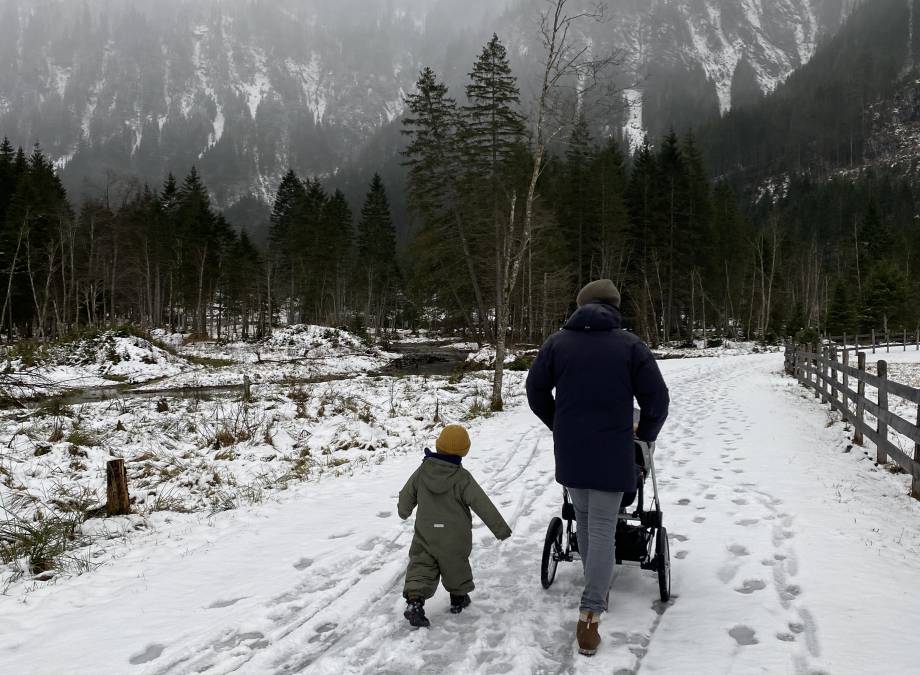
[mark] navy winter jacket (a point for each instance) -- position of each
(597, 368)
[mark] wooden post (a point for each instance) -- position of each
(846, 385)
(247, 389)
(873, 341)
(887, 342)
(860, 398)
(118, 503)
(825, 365)
(832, 367)
(880, 455)
(915, 483)
(905, 339)
(817, 352)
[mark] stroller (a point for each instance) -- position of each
(640, 537)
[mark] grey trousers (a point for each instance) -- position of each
(596, 513)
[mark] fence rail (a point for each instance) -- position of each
(821, 369)
(877, 340)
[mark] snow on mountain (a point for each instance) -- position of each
(246, 90)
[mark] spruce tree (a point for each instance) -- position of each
(377, 251)
(492, 125)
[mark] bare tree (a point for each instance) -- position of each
(570, 74)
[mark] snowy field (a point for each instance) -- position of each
(789, 553)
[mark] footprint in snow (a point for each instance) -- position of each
(747, 522)
(699, 519)
(680, 555)
(302, 564)
(791, 592)
(683, 502)
(679, 537)
(151, 653)
(743, 635)
(384, 514)
(738, 550)
(341, 535)
(220, 604)
(751, 586)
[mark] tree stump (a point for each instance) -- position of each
(118, 503)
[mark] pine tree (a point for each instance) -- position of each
(613, 247)
(842, 315)
(643, 201)
(377, 251)
(435, 196)
(492, 125)
(282, 250)
(493, 136)
(579, 200)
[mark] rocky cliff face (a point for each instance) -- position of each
(245, 89)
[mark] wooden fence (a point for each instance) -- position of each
(878, 340)
(821, 369)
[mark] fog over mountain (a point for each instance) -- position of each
(245, 89)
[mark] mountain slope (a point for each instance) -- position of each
(246, 90)
(853, 105)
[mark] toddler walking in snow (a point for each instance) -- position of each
(444, 492)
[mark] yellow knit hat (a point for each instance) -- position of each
(453, 441)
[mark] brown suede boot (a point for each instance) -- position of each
(586, 634)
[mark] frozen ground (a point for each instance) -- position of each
(112, 359)
(790, 555)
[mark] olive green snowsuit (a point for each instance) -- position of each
(444, 493)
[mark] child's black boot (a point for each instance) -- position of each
(458, 603)
(415, 613)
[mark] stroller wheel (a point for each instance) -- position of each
(552, 551)
(663, 558)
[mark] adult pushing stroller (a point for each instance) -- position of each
(640, 537)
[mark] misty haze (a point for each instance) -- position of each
(323, 323)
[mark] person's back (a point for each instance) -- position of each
(597, 369)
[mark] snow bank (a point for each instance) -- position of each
(104, 359)
(207, 455)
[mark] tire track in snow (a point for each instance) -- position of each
(509, 571)
(382, 603)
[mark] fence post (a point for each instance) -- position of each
(118, 503)
(832, 385)
(880, 455)
(817, 359)
(825, 367)
(905, 339)
(873, 341)
(860, 398)
(846, 385)
(887, 342)
(915, 483)
(844, 342)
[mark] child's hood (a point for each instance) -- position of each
(438, 476)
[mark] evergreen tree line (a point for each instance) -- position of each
(167, 258)
(690, 258)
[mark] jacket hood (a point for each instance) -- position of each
(437, 475)
(595, 316)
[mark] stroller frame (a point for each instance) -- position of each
(641, 537)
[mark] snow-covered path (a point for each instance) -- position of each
(789, 555)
